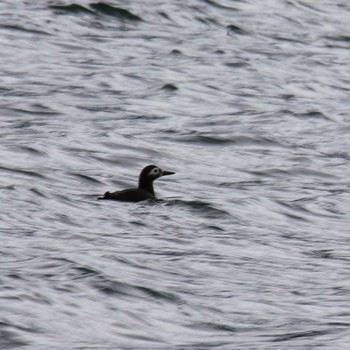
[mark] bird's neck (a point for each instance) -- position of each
(146, 186)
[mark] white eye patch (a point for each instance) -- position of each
(154, 172)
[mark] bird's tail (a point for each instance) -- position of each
(105, 196)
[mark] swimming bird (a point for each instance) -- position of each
(145, 189)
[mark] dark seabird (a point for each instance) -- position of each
(145, 189)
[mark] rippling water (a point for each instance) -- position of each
(247, 101)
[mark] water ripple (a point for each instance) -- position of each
(97, 8)
(247, 102)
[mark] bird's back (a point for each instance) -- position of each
(129, 195)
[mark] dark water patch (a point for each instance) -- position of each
(37, 192)
(345, 38)
(242, 185)
(31, 151)
(343, 291)
(35, 109)
(216, 228)
(330, 254)
(339, 324)
(38, 298)
(287, 97)
(97, 8)
(236, 64)
(323, 254)
(28, 173)
(209, 326)
(24, 125)
(233, 29)
(23, 29)
(9, 187)
(10, 339)
(97, 108)
(220, 6)
(176, 52)
(140, 116)
(210, 139)
(24, 92)
(15, 276)
(287, 39)
(110, 287)
(339, 154)
(86, 178)
(207, 20)
(62, 269)
(176, 255)
(30, 329)
(207, 140)
(170, 87)
(312, 173)
(199, 207)
(72, 8)
(5, 91)
(304, 334)
(296, 210)
(159, 295)
(83, 272)
(207, 345)
(202, 20)
(311, 115)
(116, 12)
(60, 218)
(138, 222)
(164, 15)
(295, 217)
(304, 5)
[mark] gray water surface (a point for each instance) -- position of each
(248, 102)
